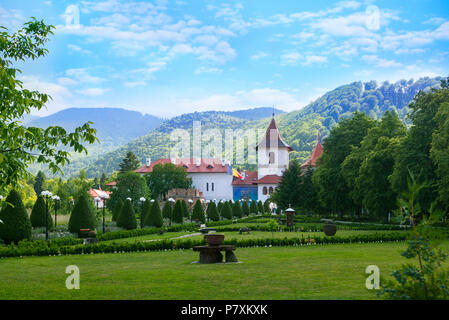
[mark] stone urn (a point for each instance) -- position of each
(92, 234)
(214, 239)
(330, 228)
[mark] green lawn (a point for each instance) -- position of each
(306, 272)
(253, 235)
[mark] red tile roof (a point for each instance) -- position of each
(273, 129)
(98, 193)
(111, 184)
(250, 179)
(316, 153)
(205, 166)
(269, 179)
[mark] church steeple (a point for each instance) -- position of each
(273, 129)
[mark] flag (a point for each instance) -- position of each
(235, 173)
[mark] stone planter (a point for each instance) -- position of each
(330, 229)
(214, 239)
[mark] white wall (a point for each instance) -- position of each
(260, 194)
(276, 168)
(222, 185)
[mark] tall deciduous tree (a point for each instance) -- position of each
(165, 177)
(21, 145)
(333, 190)
(129, 185)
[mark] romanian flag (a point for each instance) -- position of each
(235, 173)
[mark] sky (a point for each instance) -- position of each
(170, 57)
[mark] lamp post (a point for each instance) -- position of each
(97, 203)
(171, 200)
(46, 194)
(56, 199)
(142, 201)
(104, 197)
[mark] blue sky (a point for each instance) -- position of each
(171, 57)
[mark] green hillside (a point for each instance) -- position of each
(299, 128)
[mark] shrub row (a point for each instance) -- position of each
(42, 248)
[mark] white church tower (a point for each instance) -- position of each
(273, 159)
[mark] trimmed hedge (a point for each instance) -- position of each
(43, 248)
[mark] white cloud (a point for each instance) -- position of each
(76, 48)
(201, 70)
(92, 92)
(259, 55)
(313, 59)
(289, 59)
(81, 75)
(380, 62)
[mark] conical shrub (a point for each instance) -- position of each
(245, 208)
(237, 210)
(226, 211)
(167, 210)
(117, 209)
(127, 218)
(213, 212)
(16, 224)
(253, 207)
(39, 213)
(198, 212)
(83, 216)
(154, 218)
(185, 209)
(260, 206)
(178, 214)
(146, 208)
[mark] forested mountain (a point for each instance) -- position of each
(115, 127)
(299, 128)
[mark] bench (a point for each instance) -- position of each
(244, 229)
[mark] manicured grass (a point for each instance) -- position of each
(305, 272)
(253, 235)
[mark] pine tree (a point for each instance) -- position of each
(16, 224)
(117, 209)
(167, 210)
(213, 212)
(154, 218)
(237, 210)
(253, 207)
(198, 212)
(146, 208)
(127, 218)
(83, 216)
(129, 163)
(178, 212)
(245, 208)
(226, 211)
(39, 214)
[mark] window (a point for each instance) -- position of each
(212, 186)
(271, 190)
(207, 186)
(264, 190)
(271, 157)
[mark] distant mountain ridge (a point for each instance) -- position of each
(298, 128)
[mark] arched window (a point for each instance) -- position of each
(264, 190)
(271, 190)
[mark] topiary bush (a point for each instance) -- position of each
(127, 218)
(226, 211)
(146, 208)
(39, 213)
(167, 210)
(83, 215)
(253, 207)
(185, 209)
(16, 224)
(245, 208)
(237, 210)
(178, 213)
(260, 207)
(198, 212)
(154, 218)
(212, 212)
(117, 209)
